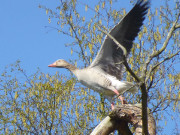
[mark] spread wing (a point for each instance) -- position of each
(109, 58)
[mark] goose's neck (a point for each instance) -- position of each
(71, 68)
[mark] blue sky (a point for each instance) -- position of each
(23, 36)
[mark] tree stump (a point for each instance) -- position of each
(119, 119)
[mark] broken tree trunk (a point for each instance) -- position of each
(119, 119)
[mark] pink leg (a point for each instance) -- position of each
(112, 105)
(120, 97)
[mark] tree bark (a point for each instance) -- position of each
(123, 115)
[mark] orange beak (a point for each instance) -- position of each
(52, 65)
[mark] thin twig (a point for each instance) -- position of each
(79, 41)
(158, 64)
(157, 53)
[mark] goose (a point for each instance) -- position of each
(104, 74)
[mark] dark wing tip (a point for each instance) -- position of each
(137, 15)
(144, 4)
(131, 25)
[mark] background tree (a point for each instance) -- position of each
(54, 104)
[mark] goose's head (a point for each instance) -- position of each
(59, 64)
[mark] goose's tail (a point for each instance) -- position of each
(130, 87)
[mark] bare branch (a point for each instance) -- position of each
(165, 59)
(79, 41)
(177, 26)
(119, 118)
(130, 71)
(108, 125)
(59, 30)
(155, 54)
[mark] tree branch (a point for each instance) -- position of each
(130, 71)
(157, 53)
(154, 67)
(76, 36)
(119, 118)
(177, 26)
(167, 38)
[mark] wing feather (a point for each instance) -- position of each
(109, 58)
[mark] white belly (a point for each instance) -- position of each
(104, 84)
(95, 81)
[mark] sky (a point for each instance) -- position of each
(23, 36)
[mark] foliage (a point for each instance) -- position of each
(45, 104)
(54, 104)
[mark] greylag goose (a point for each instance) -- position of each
(105, 72)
